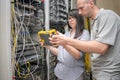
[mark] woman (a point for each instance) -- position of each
(70, 64)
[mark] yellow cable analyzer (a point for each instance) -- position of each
(44, 36)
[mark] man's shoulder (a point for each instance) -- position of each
(108, 12)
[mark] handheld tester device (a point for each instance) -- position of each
(44, 36)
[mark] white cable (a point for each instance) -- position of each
(48, 64)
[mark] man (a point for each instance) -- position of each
(105, 40)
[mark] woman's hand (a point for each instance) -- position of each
(42, 44)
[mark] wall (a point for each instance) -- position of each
(109, 4)
(119, 6)
(5, 47)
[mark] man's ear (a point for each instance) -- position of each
(91, 2)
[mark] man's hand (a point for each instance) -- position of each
(59, 39)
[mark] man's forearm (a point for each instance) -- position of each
(88, 46)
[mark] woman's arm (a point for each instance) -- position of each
(72, 50)
(53, 50)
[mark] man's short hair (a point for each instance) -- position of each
(88, 1)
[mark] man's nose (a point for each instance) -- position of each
(80, 12)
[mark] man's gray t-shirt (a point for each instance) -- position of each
(106, 29)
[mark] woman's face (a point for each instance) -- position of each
(72, 21)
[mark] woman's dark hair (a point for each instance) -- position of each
(79, 22)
